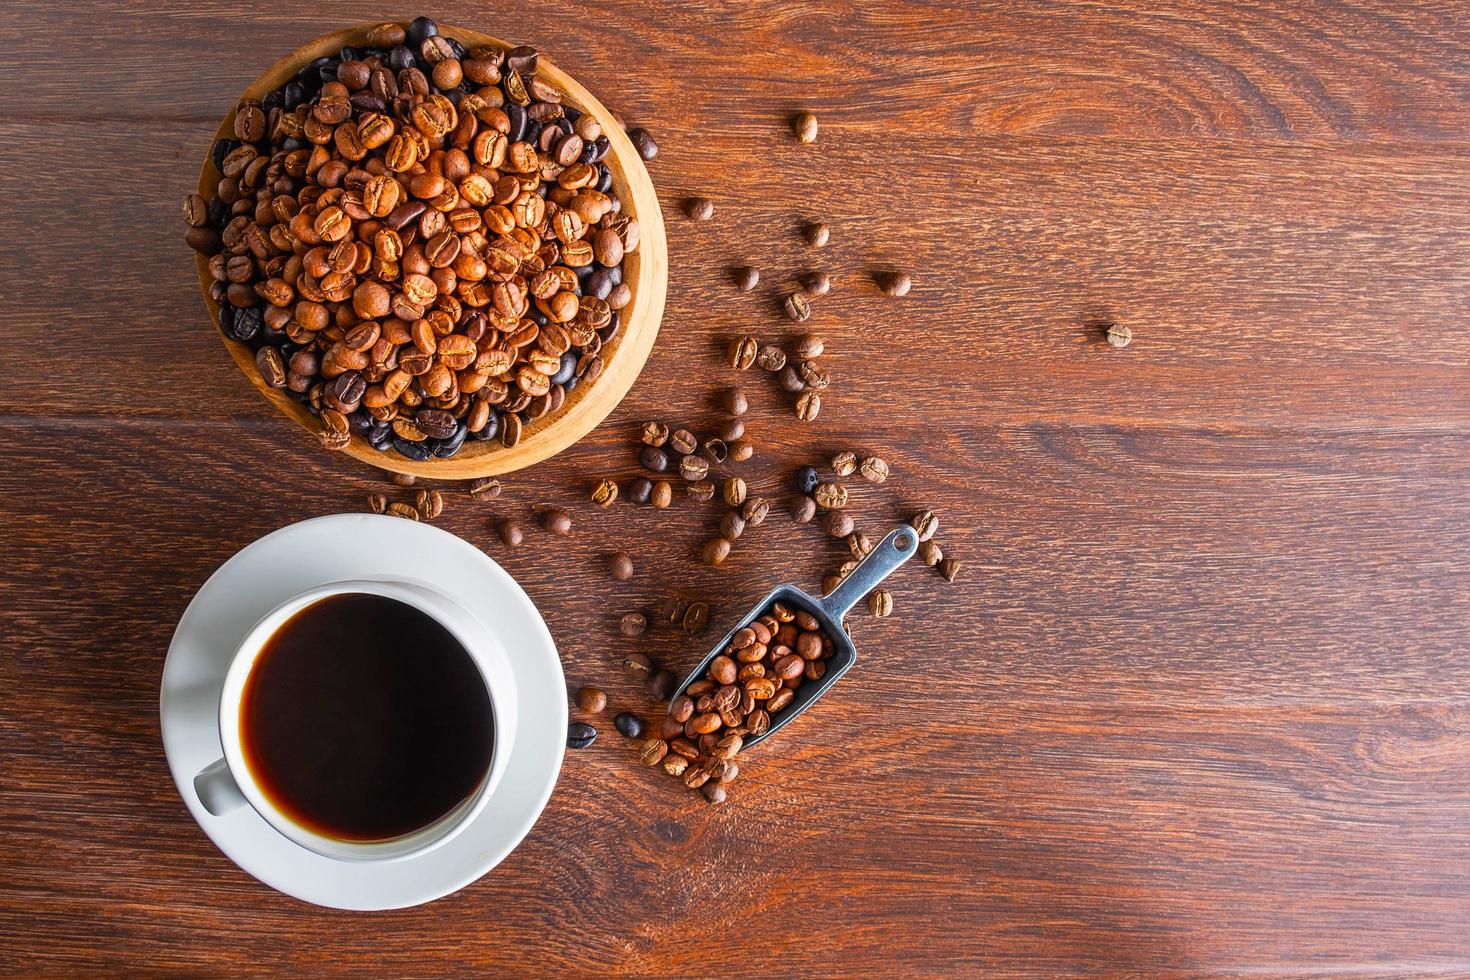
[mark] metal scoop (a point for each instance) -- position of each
(897, 547)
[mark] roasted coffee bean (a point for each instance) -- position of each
(196, 211)
(733, 400)
(430, 504)
(654, 459)
(699, 208)
(803, 510)
(733, 491)
(605, 493)
(790, 380)
(696, 776)
(696, 617)
(620, 565)
(655, 434)
(785, 696)
(930, 553)
(837, 523)
(731, 430)
(771, 358)
(580, 735)
(715, 451)
(654, 751)
(434, 423)
(632, 624)
(816, 283)
(758, 722)
(510, 532)
(662, 494)
(1118, 335)
(830, 581)
(682, 442)
(676, 765)
(272, 370)
(377, 502)
(485, 489)
(873, 469)
(636, 664)
(949, 568)
(732, 525)
(681, 709)
(402, 510)
(663, 684)
(809, 346)
(673, 609)
(926, 523)
(747, 277)
(816, 234)
(859, 545)
(669, 729)
(643, 143)
(805, 479)
(788, 667)
(700, 687)
(741, 450)
(591, 699)
(808, 405)
(895, 284)
(693, 468)
(830, 496)
(804, 125)
(782, 612)
(703, 724)
(722, 670)
(556, 520)
(813, 375)
(404, 479)
(639, 491)
(743, 351)
(797, 308)
(510, 432)
(816, 668)
(701, 491)
(716, 550)
(845, 463)
(754, 511)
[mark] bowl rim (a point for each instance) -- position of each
(624, 357)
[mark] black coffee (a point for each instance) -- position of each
(364, 719)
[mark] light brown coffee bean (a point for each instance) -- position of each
(754, 510)
(782, 697)
(693, 468)
(722, 670)
(796, 307)
(895, 284)
(771, 358)
(859, 544)
(733, 401)
(620, 565)
(661, 494)
(733, 491)
(377, 502)
(637, 665)
(817, 234)
(804, 125)
(485, 489)
(605, 493)
(880, 603)
(655, 434)
(701, 491)
(705, 723)
(837, 523)
(675, 765)
(403, 510)
(930, 553)
(760, 688)
(591, 699)
(696, 617)
(747, 277)
(681, 709)
(632, 624)
(742, 353)
(732, 525)
(1119, 336)
(949, 568)
(873, 469)
(510, 533)
(808, 347)
(830, 496)
(808, 405)
(430, 504)
(654, 751)
(716, 550)
(741, 450)
(699, 208)
(803, 510)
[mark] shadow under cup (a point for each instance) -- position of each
(359, 723)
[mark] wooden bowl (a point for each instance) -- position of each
(646, 272)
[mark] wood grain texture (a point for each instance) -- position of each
(1200, 700)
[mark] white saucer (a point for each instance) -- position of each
(347, 546)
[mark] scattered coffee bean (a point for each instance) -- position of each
(859, 544)
(805, 479)
(816, 234)
(873, 469)
(732, 525)
(716, 550)
(640, 490)
(556, 520)
(895, 284)
(845, 464)
(699, 208)
(880, 603)
(620, 565)
(808, 405)
(847, 568)
(683, 442)
(405, 511)
(643, 143)
(747, 277)
(930, 553)
(742, 353)
(837, 523)
(696, 617)
(830, 581)
(430, 504)
(701, 491)
(653, 459)
(633, 624)
(733, 401)
(404, 479)
(733, 491)
(790, 380)
(741, 450)
(804, 125)
(926, 523)
(629, 725)
(949, 568)
(715, 451)
(662, 494)
(605, 493)
(797, 308)
(654, 751)
(809, 346)
(486, 489)
(663, 684)
(510, 532)
(636, 664)
(813, 375)
(1119, 336)
(830, 496)
(591, 699)
(654, 434)
(803, 510)
(731, 430)
(816, 283)
(377, 502)
(754, 511)
(580, 735)
(771, 358)
(694, 468)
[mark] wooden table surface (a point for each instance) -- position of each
(1200, 699)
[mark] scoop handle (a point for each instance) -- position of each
(897, 547)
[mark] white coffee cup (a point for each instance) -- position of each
(227, 784)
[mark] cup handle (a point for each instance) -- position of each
(217, 789)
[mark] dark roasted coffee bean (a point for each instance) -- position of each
(771, 358)
(949, 568)
(415, 451)
(272, 370)
(637, 664)
(693, 468)
(377, 502)
(420, 30)
(895, 284)
(699, 208)
(580, 735)
(682, 441)
(701, 491)
(816, 234)
(747, 277)
(837, 523)
(485, 489)
(803, 510)
(643, 143)
(510, 532)
(808, 346)
(813, 375)
(434, 423)
(790, 380)
(663, 684)
(654, 750)
(629, 726)
(731, 430)
(640, 491)
(733, 401)
(816, 284)
(654, 459)
(556, 520)
(696, 617)
(805, 479)
(620, 565)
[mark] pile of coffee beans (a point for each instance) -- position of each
(742, 691)
(421, 242)
(796, 370)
